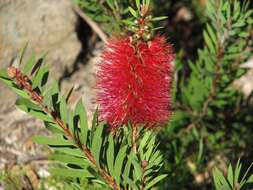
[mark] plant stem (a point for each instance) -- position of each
(134, 138)
(24, 82)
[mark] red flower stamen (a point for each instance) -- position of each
(134, 82)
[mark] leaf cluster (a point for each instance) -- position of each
(235, 179)
(83, 152)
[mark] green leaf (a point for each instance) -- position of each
(110, 4)
(230, 175)
(220, 180)
(244, 34)
(110, 154)
(70, 151)
(69, 94)
(95, 119)
(4, 77)
(97, 142)
(237, 172)
(150, 146)
(3, 74)
(27, 103)
(147, 3)
(131, 183)
(68, 172)
(250, 179)
(155, 181)
(212, 34)
(36, 113)
(39, 63)
(22, 53)
(209, 42)
(128, 165)
(53, 128)
(157, 28)
(138, 4)
(133, 12)
(137, 169)
(56, 140)
(71, 125)
(119, 163)
(63, 110)
(81, 112)
(159, 18)
(29, 64)
(69, 159)
(40, 78)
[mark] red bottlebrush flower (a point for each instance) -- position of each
(134, 82)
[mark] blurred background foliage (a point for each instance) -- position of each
(212, 121)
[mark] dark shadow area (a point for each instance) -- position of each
(84, 34)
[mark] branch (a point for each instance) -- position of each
(134, 138)
(24, 82)
(94, 26)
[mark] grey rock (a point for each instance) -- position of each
(47, 25)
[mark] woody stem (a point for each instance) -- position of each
(134, 138)
(23, 81)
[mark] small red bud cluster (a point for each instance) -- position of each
(23, 82)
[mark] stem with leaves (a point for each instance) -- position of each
(24, 82)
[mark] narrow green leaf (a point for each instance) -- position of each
(71, 124)
(37, 66)
(27, 103)
(69, 94)
(110, 154)
(97, 142)
(39, 63)
(81, 112)
(244, 34)
(70, 151)
(131, 183)
(4, 77)
(29, 64)
(36, 113)
(53, 128)
(128, 165)
(133, 12)
(250, 179)
(3, 74)
(137, 170)
(138, 4)
(110, 4)
(40, 78)
(237, 172)
(68, 172)
(150, 146)
(155, 181)
(22, 53)
(230, 175)
(119, 163)
(157, 28)
(69, 159)
(212, 34)
(63, 110)
(246, 173)
(95, 119)
(147, 3)
(220, 180)
(159, 18)
(51, 140)
(209, 42)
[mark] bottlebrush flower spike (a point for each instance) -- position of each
(134, 82)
